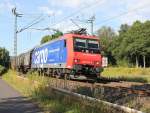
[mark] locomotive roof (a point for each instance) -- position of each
(68, 35)
(80, 36)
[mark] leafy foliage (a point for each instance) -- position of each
(106, 35)
(4, 57)
(2, 70)
(131, 46)
(51, 37)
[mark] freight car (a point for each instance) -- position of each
(23, 61)
(74, 55)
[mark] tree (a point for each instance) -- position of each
(46, 39)
(57, 34)
(124, 28)
(135, 47)
(119, 45)
(106, 32)
(140, 32)
(106, 35)
(133, 43)
(4, 57)
(51, 37)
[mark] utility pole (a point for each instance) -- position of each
(91, 21)
(16, 31)
(16, 15)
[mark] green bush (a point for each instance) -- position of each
(2, 70)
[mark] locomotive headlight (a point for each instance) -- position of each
(76, 60)
(97, 63)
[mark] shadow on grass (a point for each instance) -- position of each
(3, 71)
(134, 79)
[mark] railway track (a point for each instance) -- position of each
(139, 89)
(126, 88)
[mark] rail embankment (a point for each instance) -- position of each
(39, 89)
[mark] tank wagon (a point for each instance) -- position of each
(74, 55)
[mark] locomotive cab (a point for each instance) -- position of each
(85, 58)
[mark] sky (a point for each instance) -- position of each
(64, 15)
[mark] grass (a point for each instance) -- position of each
(23, 86)
(128, 74)
(49, 100)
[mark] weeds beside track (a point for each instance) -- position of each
(56, 102)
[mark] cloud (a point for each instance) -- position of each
(104, 10)
(65, 26)
(141, 12)
(9, 5)
(66, 3)
(81, 8)
(47, 10)
(6, 6)
(72, 3)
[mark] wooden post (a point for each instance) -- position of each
(144, 63)
(137, 63)
(65, 81)
(93, 90)
(48, 72)
(56, 81)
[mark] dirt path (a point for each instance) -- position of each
(11, 101)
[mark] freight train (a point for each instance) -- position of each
(73, 54)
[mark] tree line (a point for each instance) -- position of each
(51, 37)
(129, 47)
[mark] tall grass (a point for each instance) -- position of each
(50, 100)
(128, 74)
(23, 86)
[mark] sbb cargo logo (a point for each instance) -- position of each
(41, 56)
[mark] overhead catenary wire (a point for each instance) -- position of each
(123, 13)
(44, 29)
(106, 20)
(76, 12)
(75, 23)
(33, 20)
(103, 21)
(30, 24)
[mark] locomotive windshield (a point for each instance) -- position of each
(86, 45)
(93, 44)
(80, 43)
